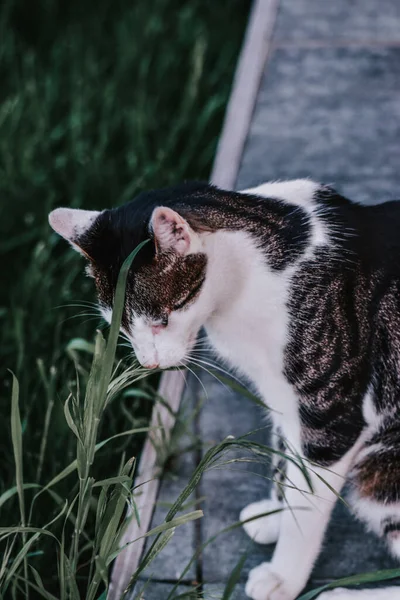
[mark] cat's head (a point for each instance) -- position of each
(167, 294)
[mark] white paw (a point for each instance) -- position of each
(264, 584)
(264, 530)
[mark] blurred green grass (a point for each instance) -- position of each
(97, 102)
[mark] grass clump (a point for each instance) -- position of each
(82, 562)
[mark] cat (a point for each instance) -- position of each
(299, 289)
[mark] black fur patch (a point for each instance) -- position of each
(281, 230)
(345, 325)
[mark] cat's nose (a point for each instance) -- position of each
(157, 328)
(152, 366)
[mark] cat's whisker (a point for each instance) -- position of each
(205, 338)
(203, 355)
(205, 342)
(82, 322)
(91, 317)
(78, 315)
(197, 377)
(181, 368)
(79, 304)
(125, 337)
(202, 350)
(221, 369)
(202, 338)
(203, 347)
(210, 373)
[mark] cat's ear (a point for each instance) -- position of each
(173, 232)
(72, 224)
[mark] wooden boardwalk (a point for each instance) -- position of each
(317, 95)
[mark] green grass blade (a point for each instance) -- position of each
(74, 464)
(112, 481)
(16, 436)
(70, 421)
(71, 581)
(234, 578)
(7, 552)
(192, 516)
(118, 308)
(90, 419)
(354, 580)
(6, 531)
(40, 587)
(49, 385)
(15, 490)
(34, 587)
(20, 557)
(108, 529)
(239, 388)
(81, 345)
(158, 547)
(236, 525)
(102, 571)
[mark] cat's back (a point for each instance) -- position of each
(369, 233)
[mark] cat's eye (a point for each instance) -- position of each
(161, 324)
(194, 291)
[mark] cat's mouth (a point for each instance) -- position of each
(160, 356)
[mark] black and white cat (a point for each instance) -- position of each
(299, 288)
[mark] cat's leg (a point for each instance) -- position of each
(375, 499)
(265, 530)
(375, 480)
(303, 525)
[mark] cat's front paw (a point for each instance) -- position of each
(264, 530)
(264, 584)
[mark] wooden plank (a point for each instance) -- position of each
(256, 47)
(226, 165)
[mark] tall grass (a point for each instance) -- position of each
(105, 498)
(97, 102)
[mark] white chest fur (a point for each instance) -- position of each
(250, 330)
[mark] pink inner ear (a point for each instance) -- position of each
(171, 231)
